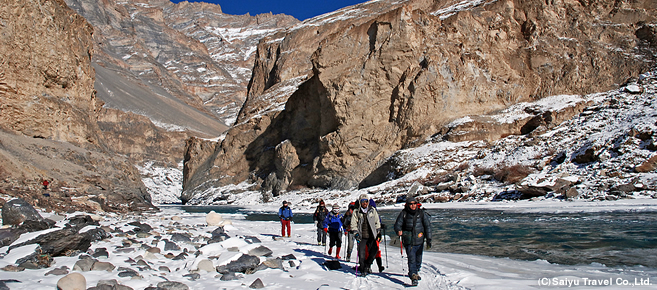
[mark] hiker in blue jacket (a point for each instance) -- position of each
(333, 225)
(285, 214)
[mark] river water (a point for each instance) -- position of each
(613, 238)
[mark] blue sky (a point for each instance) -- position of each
(300, 9)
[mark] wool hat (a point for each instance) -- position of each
(285, 202)
(410, 199)
(363, 196)
(336, 206)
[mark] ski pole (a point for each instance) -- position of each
(357, 255)
(401, 250)
(385, 246)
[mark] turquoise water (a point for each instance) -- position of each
(619, 238)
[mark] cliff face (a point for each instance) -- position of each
(182, 65)
(46, 82)
(49, 125)
(349, 89)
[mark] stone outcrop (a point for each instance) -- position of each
(53, 152)
(348, 89)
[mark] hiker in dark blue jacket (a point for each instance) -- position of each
(333, 225)
(285, 214)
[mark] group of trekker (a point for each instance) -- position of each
(361, 223)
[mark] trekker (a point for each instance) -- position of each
(285, 214)
(413, 227)
(365, 222)
(333, 225)
(318, 217)
(378, 260)
(346, 222)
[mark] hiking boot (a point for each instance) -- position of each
(381, 268)
(330, 250)
(362, 274)
(414, 282)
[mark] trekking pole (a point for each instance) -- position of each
(357, 256)
(344, 245)
(385, 246)
(401, 250)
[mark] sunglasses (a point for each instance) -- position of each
(412, 203)
(364, 200)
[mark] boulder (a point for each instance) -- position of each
(81, 221)
(103, 266)
(243, 264)
(274, 263)
(181, 237)
(140, 227)
(206, 265)
(73, 281)
(213, 219)
(63, 270)
(85, 264)
(37, 225)
(66, 240)
(109, 285)
(647, 166)
(257, 284)
(9, 235)
(261, 251)
(172, 285)
(170, 246)
(100, 253)
(16, 211)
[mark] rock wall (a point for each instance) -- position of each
(389, 79)
(46, 78)
(53, 152)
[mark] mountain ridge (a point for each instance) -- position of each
(386, 81)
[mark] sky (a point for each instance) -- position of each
(300, 9)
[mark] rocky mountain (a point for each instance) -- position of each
(95, 90)
(53, 151)
(190, 59)
(332, 98)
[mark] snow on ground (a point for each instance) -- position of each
(439, 271)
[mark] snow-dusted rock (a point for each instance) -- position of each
(17, 210)
(213, 219)
(206, 265)
(634, 89)
(257, 284)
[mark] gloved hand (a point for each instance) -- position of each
(325, 230)
(383, 226)
(378, 237)
(357, 237)
(428, 244)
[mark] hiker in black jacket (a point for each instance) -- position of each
(413, 227)
(318, 218)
